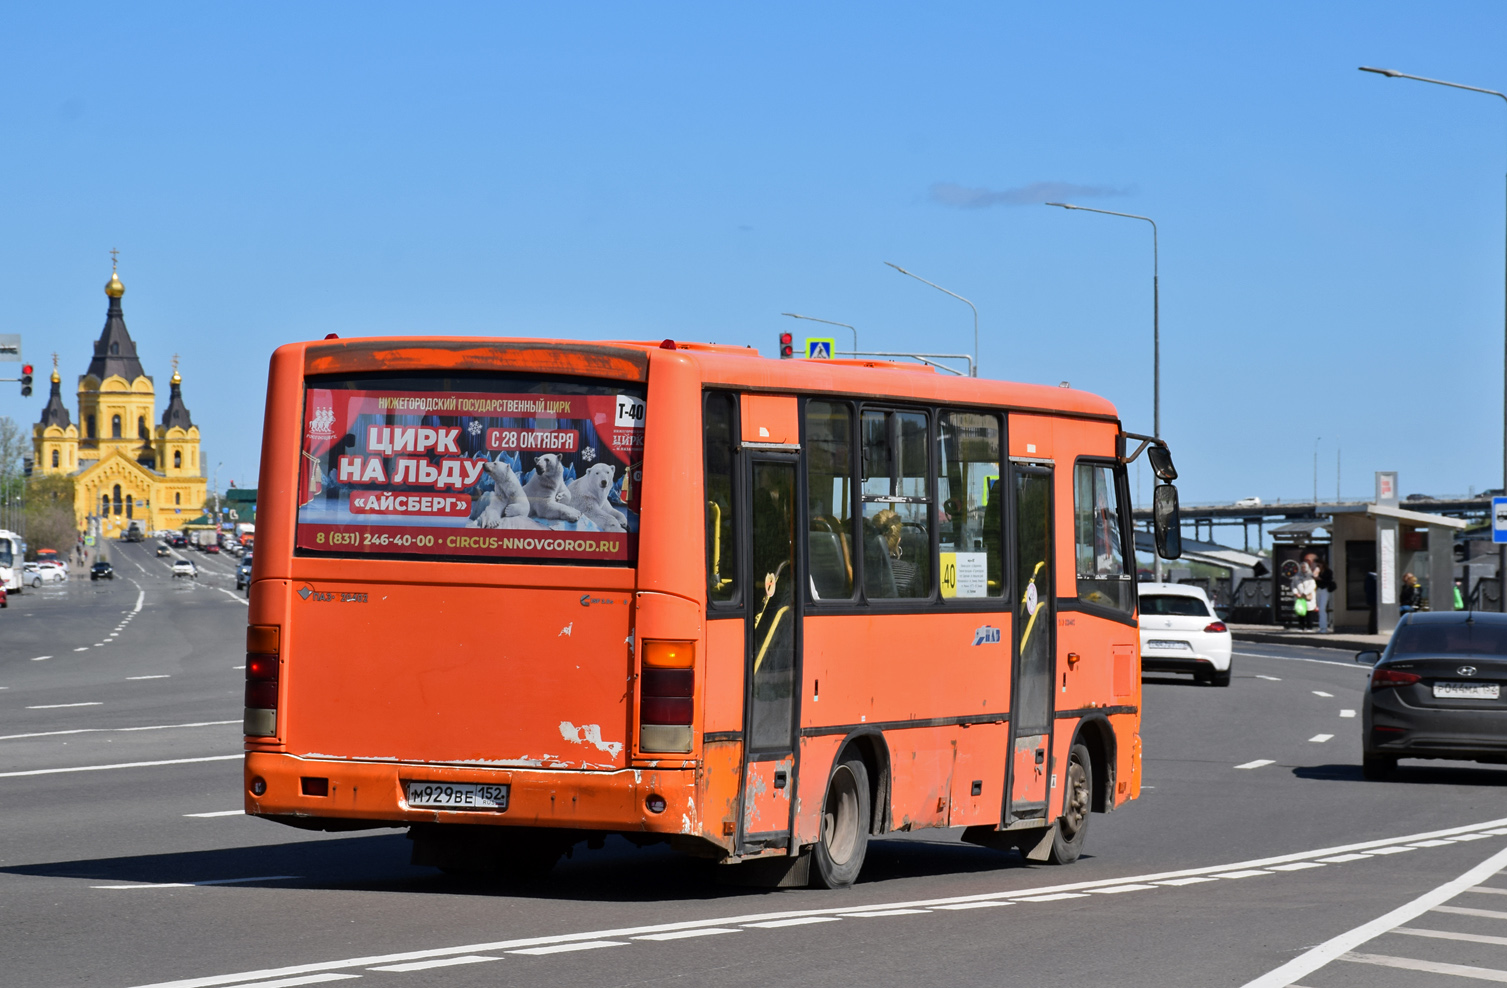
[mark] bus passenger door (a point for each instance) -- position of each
(1034, 626)
(771, 662)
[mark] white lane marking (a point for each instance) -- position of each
(60, 706)
(1297, 866)
(1243, 873)
(312, 979)
(1053, 897)
(1467, 911)
(41, 658)
(1314, 958)
(1117, 889)
(883, 912)
(105, 768)
(1342, 858)
(1274, 679)
(562, 948)
(113, 634)
(1257, 763)
(709, 931)
(1494, 831)
(1392, 850)
(1347, 713)
(1487, 890)
(141, 596)
(1459, 837)
(234, 596)
(1432, 843)
(1321, 738)
(189, 885)
(85, 648)
(1452, 935)
(1322, 693)
(972, 905)
(1432, 967)
(206, 816)
(793, 917)
(441, 962)
(776, 924)
(162, 676)
(1297, 658)
(101, 730)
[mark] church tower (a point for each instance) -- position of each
(177, 438)
(55, 437)
(115, 397)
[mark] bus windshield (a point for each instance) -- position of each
(481, 468)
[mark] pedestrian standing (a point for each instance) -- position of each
(1324, 578)
(1305, 592)
(1411, 596)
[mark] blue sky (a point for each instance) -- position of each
(1331, 241)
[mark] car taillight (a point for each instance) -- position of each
(1217, 626)
(263, 658)
(1383, 678)
(667, 689)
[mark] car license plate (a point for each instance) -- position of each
(457, 795)
(1156, 643)
(1468, 691)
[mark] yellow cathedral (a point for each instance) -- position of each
(126, 464)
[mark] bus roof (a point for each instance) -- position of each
(738, 367)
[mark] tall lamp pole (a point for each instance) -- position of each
(1156, 331)
(1156, 312)
(797, 315)
(1394, 74)
(908, 274)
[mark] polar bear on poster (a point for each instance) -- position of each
(505, 505)
(548, 497)
(589, 494)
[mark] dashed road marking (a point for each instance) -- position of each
(1257, 763)
(883, 912)
(41, 658)
(206, 816)
(709, 931)
(1347, 713)
(1322, 693)
(106, 768)
(1321, 738)
(1274, 679)
(189, 885)
(83, 649)
(439, 962)
(1243, 873)
(776, 924)
(159, 676)
(563, 948)
(60, 706)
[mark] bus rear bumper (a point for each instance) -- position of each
(309, 789)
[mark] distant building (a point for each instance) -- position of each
(123, 465)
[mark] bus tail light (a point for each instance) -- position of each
(263, 656)
(667, 696)
(1383, 678)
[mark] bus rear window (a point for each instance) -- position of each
(474, 468)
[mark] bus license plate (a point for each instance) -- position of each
(457, 795)
(1468, 691)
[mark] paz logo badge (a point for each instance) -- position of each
(987, 635)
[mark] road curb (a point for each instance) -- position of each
(1338, 642)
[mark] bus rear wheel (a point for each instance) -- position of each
(838, 855)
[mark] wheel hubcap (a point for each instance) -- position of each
(840, 817)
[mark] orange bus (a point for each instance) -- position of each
(516, 594)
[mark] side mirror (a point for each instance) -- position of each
(1169, 530)
(1370, 655)
(1161, 462)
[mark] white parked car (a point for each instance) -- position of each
(1248, 502)
(37, 574)
(1181, 633)
(185, 567)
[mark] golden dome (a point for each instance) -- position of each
(113, 287)
(55, 378)
(177, 378)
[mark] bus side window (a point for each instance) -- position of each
(829, 499)
(721, 535)
(969, 505)
(896, 508)
(1102, 575)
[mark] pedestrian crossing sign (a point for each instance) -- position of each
(819, 348)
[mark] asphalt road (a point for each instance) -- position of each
(1256, 855)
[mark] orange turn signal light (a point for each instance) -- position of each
(669, 655)
(262, 639)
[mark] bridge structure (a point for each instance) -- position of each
(1204, 518)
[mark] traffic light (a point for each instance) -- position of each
(26, 380)
(787, 347)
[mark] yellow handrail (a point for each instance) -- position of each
(1026, 635)
(773, 625)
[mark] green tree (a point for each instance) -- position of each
(50, 521)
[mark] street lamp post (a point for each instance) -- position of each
(1394, 74)
(1156, 331)
(1156, 312)
(975, 369)
(829, 322)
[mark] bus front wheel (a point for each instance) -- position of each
(838, 855)
(1077, 804)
